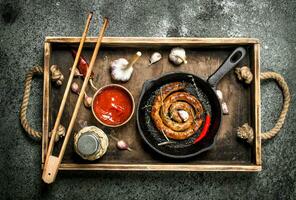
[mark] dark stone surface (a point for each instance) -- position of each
(23, 27)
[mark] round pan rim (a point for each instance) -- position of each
(152, 146)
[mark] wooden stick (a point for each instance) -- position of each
(66, 93)
(51, 168)
(134, 59)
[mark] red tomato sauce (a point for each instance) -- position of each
(113, 105)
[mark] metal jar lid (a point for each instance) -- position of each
(88, 144)
(91, 143)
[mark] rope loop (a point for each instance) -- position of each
(246, 132)
(286, 103)
(24, 107)
(37, 70)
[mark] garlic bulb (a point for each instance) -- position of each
(183, 115)
(121, 69)
(178, 56)
(155, 57)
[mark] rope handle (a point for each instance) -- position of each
(286, 103)
(246, 132)
(37, 70)
(56, 76)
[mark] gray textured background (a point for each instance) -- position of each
(23, 27)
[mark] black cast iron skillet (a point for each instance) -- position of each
(204, 91)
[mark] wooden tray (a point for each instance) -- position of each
(204, 56)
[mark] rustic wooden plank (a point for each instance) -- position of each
(45, 115)
(257, 103)
(157, 41)
(161, 167)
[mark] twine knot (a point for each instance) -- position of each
(245, 132)
(56, 75)
(60, 133)
(244, 74)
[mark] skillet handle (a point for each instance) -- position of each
(235, 57)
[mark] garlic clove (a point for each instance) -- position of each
(183, 115)
(122, 145)
(219, 95)
(155, 57)
(87, 100)
(177, 56)
(224, 108)
(76, 72)
(75, 88)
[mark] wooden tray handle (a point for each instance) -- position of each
(37, 70)
(246, 132)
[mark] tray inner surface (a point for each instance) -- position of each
(201, 62)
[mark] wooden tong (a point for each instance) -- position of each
(52, 163)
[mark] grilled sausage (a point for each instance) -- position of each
(164, 111)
